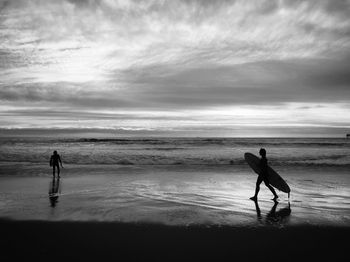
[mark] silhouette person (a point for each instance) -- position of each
(53, 191)
(55, 160)
(263, 176)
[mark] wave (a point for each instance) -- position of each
(234, 142)
(178, 151)
(185, 162)
(187, 142)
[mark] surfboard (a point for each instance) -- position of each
(274, 178)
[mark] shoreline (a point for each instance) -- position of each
(91, 241)
(20, 169)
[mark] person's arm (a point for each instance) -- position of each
(51, 161)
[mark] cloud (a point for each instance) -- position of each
(171, 88)
(166, 56)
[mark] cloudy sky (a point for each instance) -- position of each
(177, 67)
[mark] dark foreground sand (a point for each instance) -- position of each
(103, 241)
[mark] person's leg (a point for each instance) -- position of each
(58, 171)
(53, 170)
(275, 196)
(257, 188)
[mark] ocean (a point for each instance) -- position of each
(297, 152)
(175, 180)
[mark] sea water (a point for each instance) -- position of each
(175, 180)
(317, 152)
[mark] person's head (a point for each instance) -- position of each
(262, 152)
(55, 152)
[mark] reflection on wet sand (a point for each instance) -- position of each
(54, 191)
(274, 217)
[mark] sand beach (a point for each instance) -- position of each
(166, 211)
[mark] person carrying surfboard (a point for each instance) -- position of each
(55, 160)
(263, 176)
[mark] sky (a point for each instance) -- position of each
(176, 67)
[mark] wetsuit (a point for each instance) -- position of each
(263, 176)
(54, 162)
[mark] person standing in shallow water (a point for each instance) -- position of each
(263, 176)
(55, 160)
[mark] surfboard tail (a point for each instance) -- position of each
(288, 194)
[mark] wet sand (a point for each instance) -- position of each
(176, 197)
(99, 241)
(167, 215)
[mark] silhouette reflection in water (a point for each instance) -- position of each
(54, 191)
(274, 217)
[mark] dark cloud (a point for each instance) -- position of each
(73, 114)
(60, 94)
(330, 6)
(78, 132)
(264, 83)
